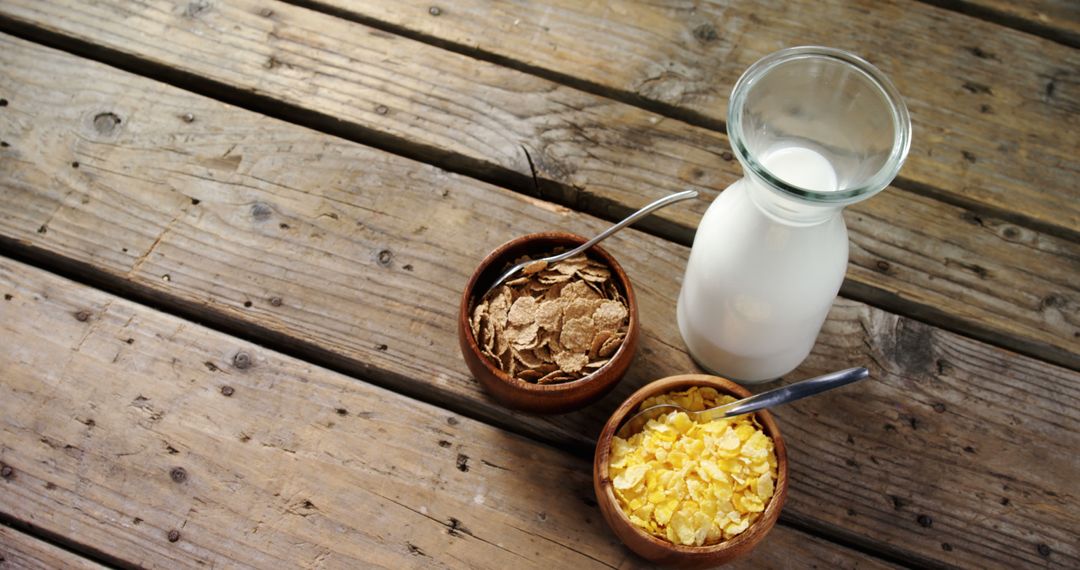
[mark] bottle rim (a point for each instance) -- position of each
(900, 117)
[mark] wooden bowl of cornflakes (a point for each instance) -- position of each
(556, 339)
(691, 522)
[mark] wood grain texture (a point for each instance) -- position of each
(357, 258)
(996, 112)
(911, 254)
(142, 449)
(1058, 20)
(22, 551)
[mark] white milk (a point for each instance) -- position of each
(763, 271)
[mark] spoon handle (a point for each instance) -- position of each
(790, 393)
(659, 203)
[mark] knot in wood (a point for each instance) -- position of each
(6, 471)
(261, 211)
(196, 8)
(106, 123)
(242, 360)
(178, 475)
(705, 33)
(1051, 301)
(82, 316)
(385, 257)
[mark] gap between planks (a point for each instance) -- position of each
(1061, 34)
(681, 113)
(1065, 34)
(61, 551)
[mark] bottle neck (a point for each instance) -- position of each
(787, 209)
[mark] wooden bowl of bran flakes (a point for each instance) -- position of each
(562, 396)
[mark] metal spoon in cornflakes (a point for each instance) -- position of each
(535, 265)
(782, 395)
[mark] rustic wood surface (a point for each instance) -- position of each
(154, 440)
(993, 109)
(601, 155)
(324, 247)
(1058, 20)
(18, 550)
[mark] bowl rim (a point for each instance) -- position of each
(602, 475)
(499, 252)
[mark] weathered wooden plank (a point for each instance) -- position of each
(995, 111)
(911, 254)
(1058, 20)
(118, 433)
(19, 550)
(356, 258)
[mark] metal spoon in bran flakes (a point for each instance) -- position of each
(535, 265)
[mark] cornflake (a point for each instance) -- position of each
(689, 483)
(555, 323)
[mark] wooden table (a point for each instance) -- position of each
(233, 235)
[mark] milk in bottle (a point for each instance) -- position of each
(815, 129)
(747, 322)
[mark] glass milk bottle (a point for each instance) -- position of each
(815, 129)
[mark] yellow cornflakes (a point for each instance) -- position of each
(690, 483)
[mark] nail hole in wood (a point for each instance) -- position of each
(242, 360)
